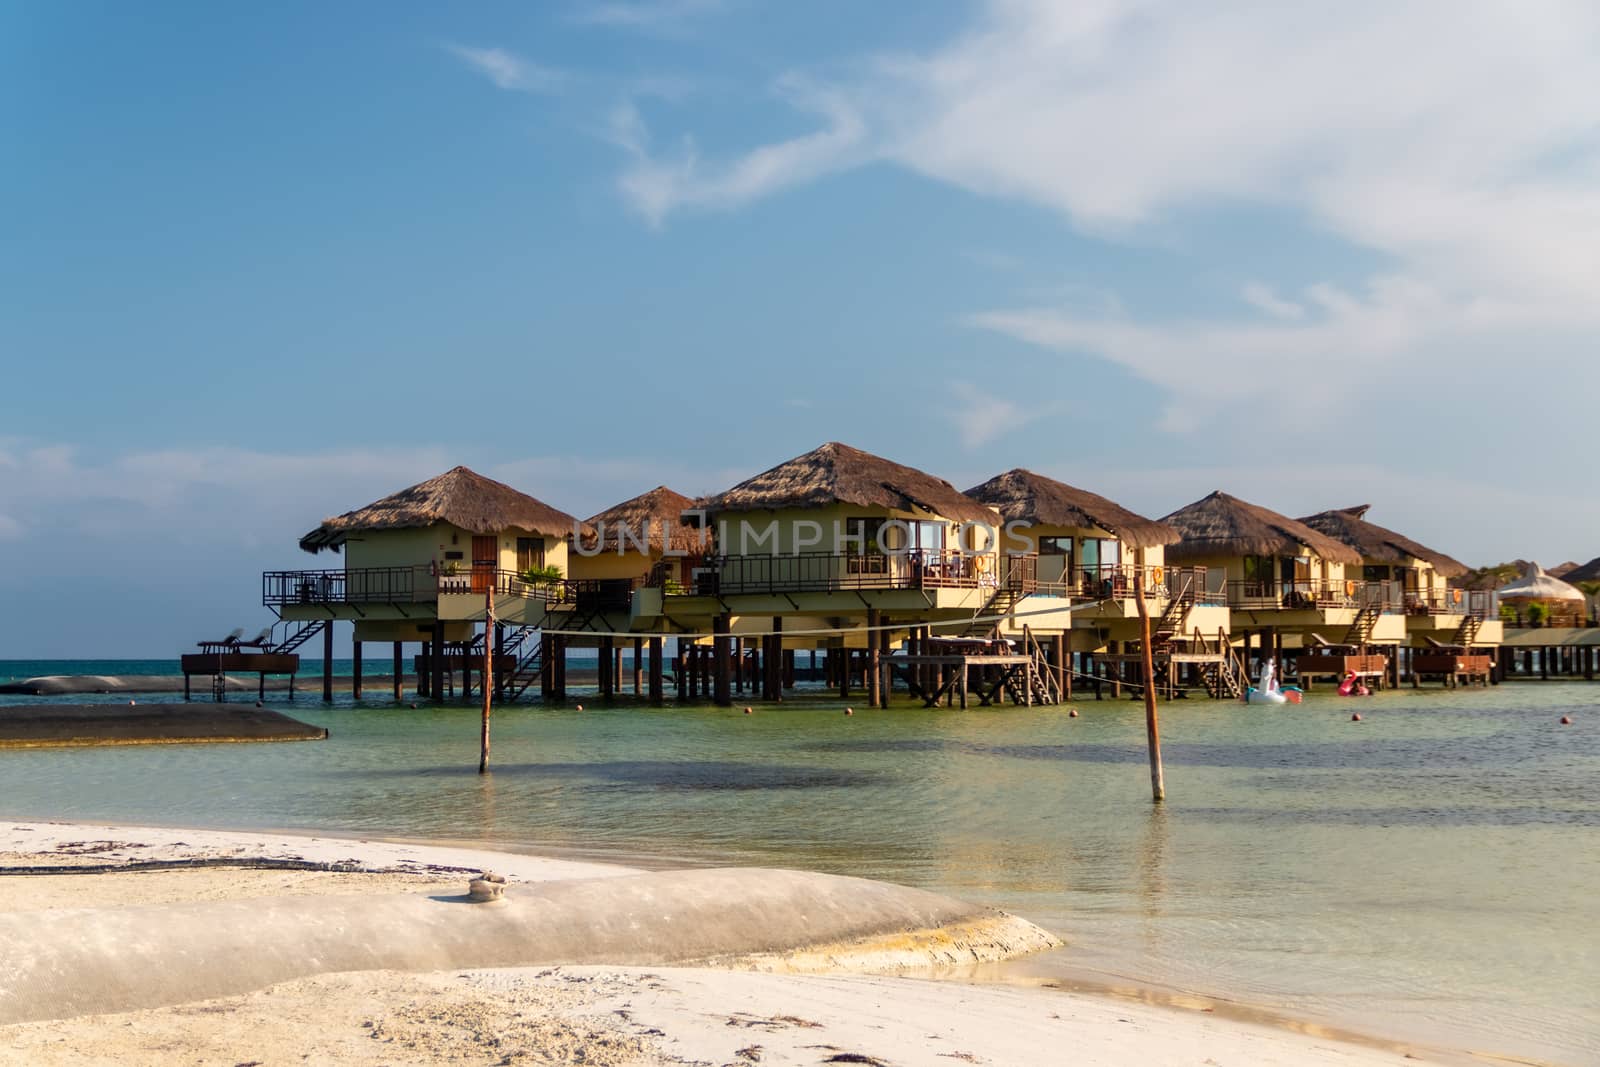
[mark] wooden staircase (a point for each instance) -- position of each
(295, 638)
(1467, 632)
(530, 660)
(1226, 676)
(1046, 686)
(1360, 633)
(986, 621)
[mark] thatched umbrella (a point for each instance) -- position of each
(1223, 525)
(660, 510)
(1023, 496)
(1536, 585)
(1374, 542)
(839, 474)
(461, 497)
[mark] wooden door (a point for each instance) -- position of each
(485, 561)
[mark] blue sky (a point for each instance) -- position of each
(263, 264)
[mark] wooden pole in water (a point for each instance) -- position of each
(488, 675)
(1152, 725)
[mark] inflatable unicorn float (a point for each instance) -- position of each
(1267, 690)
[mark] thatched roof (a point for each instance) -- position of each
(659, 509)
(1023, 496)
(1588, 572)
(1535, 584)
(1374, 542)
(460, 497)
(839, 474)
(1223, 525)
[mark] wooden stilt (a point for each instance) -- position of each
(489, 649)
(638, 666)
(436, 663)
(355, 670)
(775, 660)
(844, 670)
(872, 678)
(655, 671)
(607, 674)
(500, 678)
(559, 667)
(1152, 725)
(1058, 660)
(722, 652)
(399, 683)
(327, 663)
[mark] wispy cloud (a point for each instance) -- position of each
(656, 186)
(508, 71)
(980, 417)
(1262, 298)
(1463, 158)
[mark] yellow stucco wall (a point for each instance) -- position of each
(426, 545)
(1233, 566)
(747, 532)
(609, 564)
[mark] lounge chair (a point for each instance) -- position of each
(260, 640)
(227, 644)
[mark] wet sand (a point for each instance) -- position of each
(600, 1014)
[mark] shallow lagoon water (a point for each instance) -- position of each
(1431, 873)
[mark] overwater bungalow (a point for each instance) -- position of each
(419, 566)
(840, 539)
(619, 567)
(1091, 550)
(630, 539)
(1287, 585)
(1413, 579)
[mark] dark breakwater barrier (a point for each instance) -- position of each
(75, 725)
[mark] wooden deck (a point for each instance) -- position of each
(1453, 668)
(1337, 666)
(1003, 674)
(218, 665)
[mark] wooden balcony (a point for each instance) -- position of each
(1312, 594)
(405, 585)
(821, 572)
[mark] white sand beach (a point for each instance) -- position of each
(750, 1008)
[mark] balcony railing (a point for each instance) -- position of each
(1313, 594)
(404, 585)
(1481, 602)
(1115, 581)
(822, 572)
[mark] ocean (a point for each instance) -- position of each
(1427, 874)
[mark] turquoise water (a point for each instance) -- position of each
(1429, 873)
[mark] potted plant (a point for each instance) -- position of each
(1537, 613)
(542, 579)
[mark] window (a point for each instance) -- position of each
(530, 553)
(1055, 546)
(927, 536)
(864, 554)
(1375, 573)
(1258, 568)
